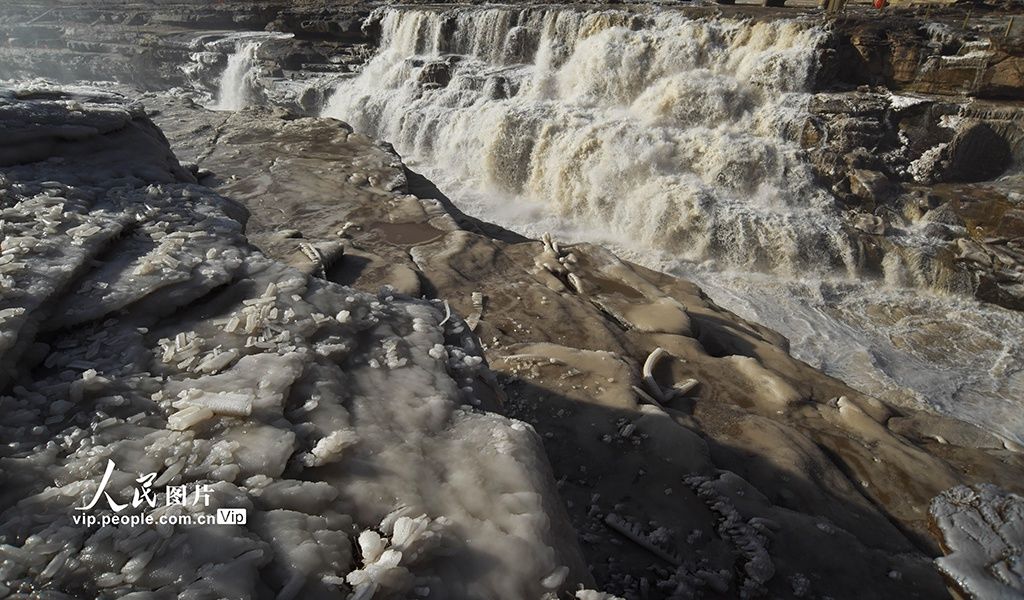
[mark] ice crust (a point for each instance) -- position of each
(138, 326)
(982, 527)
(559, 330)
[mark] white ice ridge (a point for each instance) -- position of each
(671, 132)
(138, 328)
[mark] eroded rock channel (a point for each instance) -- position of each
(395, 340)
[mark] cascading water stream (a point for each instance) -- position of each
(236, 85)
(234, 90)
(669, 139)
(661, 129)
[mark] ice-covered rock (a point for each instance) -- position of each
(793, 462)
(148, 348)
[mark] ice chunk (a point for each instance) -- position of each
(189, 417)
(222, 403)
(329, 449)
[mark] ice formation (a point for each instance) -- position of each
(142, 334)
(982, 528)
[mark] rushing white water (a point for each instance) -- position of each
(664, 129)
(234, 86)
(670, 139)
(908, 346)
(236, 83)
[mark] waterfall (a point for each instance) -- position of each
(237, 84)
(234, 91)
(661, 130)
(676, 141)
(225, 72)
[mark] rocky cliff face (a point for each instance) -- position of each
(945, 52)
(148, 46)
(928, 165)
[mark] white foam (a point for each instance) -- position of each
(661, 129)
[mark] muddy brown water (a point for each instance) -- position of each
(407, 234)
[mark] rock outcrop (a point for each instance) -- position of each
(931, 50)
(174, 44)
(923, 165)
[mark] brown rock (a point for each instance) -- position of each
(976, 153)
(1006, 294)
(870, 224)
(437, 73)
(870, 186)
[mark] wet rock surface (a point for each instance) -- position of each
(932, 166)
(723, 488)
